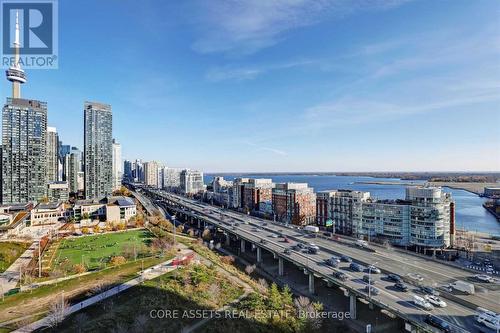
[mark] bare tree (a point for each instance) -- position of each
(250, 269)
(57, 312)
(214, 291)
(263, 283)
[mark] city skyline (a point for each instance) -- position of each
(327, 91)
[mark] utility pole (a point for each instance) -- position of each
(39, 259)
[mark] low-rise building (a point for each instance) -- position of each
(120, 209)
(113, 209)
(492, 192)
(47, 213)
(14, 218)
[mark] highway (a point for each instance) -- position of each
(434, 274)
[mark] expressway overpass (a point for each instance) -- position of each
(459, 312)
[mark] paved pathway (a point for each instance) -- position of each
(148, 274)
(10, 278)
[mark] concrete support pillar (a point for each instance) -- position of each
(228, 240)
(311, 283)
(242, 246)
(352, 306)
(259, 254)
(280, 266)
(199, 224)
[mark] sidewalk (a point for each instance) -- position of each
(10, 278)
(148, 274)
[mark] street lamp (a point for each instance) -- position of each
(173, 221)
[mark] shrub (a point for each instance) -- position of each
(117, 260)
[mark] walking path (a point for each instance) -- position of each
(10, 278)
(248, 289)
(148, 274)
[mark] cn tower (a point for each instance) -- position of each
(15, 73)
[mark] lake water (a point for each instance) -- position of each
(469, 212)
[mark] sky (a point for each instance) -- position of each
(297, 85)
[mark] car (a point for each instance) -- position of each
(372, 290)
(313, 249)
(401, 286)
(356, 267)
(264, 224)
(327, 234)
(438, 323)
(436, 301)
(255, 229)
(301, 246)
(368, 279)
(394, 277)
(346, 259)
(429, 290)
(286, 240)
(421, 302)
(483, 278)
(373, 269)
(339, 275)
(331, 262)
(274, 236)
(336, 259)
(263, 241)
(416, 277)
(288, 251)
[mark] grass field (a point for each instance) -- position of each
(192, 288)
(96, 250)
(9, 252)
(75, 290)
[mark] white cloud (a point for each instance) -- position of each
(264, 148)
(244, 27)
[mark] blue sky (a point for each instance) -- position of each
(297, 85)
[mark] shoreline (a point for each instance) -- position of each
(474, 188)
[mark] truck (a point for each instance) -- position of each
(463, 286)
(311, 229)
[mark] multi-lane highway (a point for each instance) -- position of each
(433, 273)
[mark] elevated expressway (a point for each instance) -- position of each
(459, 312)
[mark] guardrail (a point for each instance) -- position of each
(256, 239)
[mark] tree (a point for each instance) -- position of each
(263, 284)
(79, 268)
(161, 244)
(57, 312)
(229, 260)
(206, 235)
(274, 298)
(250, 269)
(117, 260)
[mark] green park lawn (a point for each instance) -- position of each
(95, 251)
(9, 252)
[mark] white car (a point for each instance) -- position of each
(436, 301)
(421, 302)
(483, 278)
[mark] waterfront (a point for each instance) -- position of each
(470, 214)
